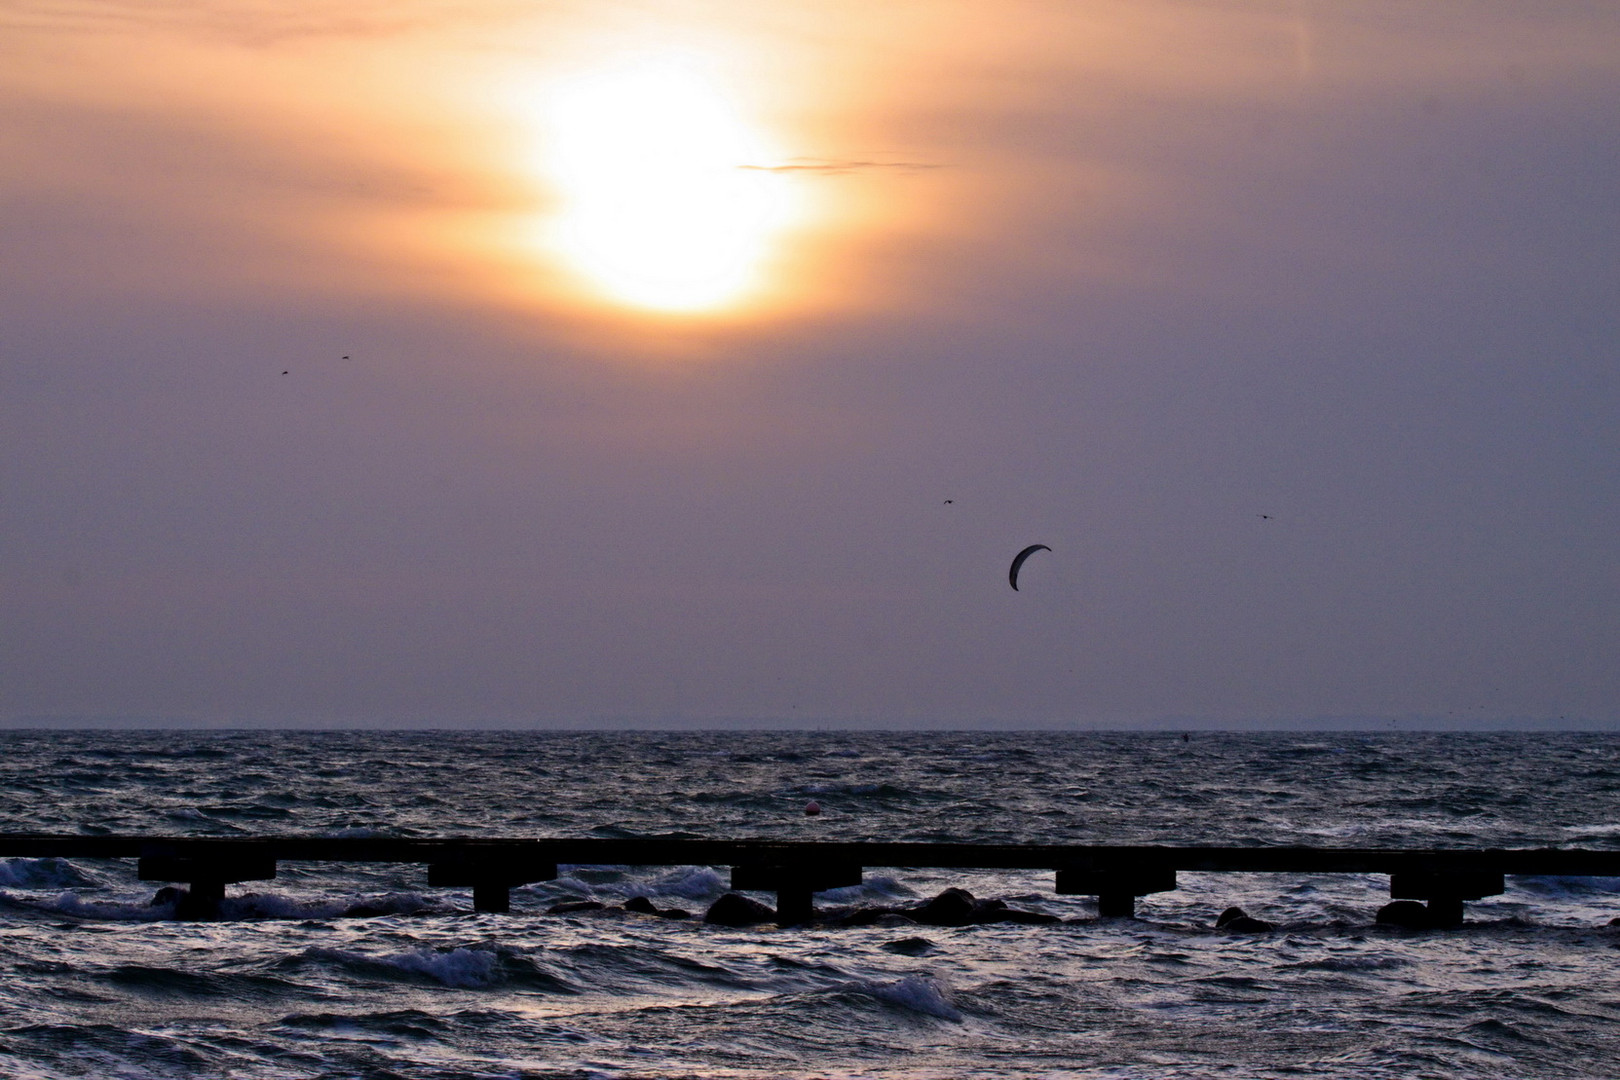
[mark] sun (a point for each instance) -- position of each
(665, 203)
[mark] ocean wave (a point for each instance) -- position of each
(1349, 964)
(277, 906)
(694, 883)
(914, 993)
(875, 887)
(687, 882)
(358, 832)
(399, 1023)
(246, 908)
(1552, 885)
(71, 903)
(44, 874)
(463, 967)
(161, 980)
(845, 787)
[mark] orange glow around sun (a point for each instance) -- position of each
(666, 203)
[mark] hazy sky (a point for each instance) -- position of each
(497, 362)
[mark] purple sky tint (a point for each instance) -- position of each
(1291, 328)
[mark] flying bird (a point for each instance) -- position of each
(1018, 561)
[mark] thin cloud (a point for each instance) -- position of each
(258, 24)
(840, 168)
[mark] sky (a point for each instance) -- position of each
(642, 362)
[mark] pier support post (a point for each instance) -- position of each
(494, 897)
(1445, 892)
(1445, 911)
(794, 906)
(490, 878)
(795, 886)
(1116, 889)
(1116, 905)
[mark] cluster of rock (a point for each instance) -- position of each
(638, 904)
(1413, 915)
(953, 907)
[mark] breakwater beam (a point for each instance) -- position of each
(1117, 874)
(1116, 889)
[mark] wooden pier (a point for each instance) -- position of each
(1444, 878)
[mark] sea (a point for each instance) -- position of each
(338, 971)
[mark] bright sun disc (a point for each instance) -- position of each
(662, 209)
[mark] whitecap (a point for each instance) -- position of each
(460, 967)
(878, 886)
(694, 883)
(71, 903)
(43, 874)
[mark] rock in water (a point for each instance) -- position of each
(734, 909)
(909, 946)
(169, 894)
(864, 916)
(1235, 920)
(641, 905)
(953, 907)
(569, 906)
(1023, 918)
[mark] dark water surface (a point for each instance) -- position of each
(100, 983)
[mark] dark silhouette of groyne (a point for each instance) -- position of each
(1117, 875)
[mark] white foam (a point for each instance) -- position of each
(880, 886)
(688, 882)
(460, 967)
(71, 903)
(696, 883)
(468, 968)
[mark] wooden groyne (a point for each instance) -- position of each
(796, 870)
(1117, 875)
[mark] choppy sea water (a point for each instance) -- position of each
(98, 982)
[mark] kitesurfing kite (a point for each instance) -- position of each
(1012, 574)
